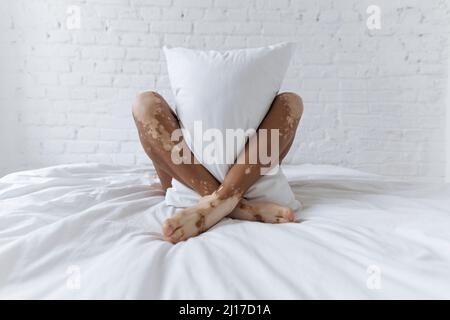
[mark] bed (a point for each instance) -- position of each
(91, 231)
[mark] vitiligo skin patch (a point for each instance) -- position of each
(262, 211)
(156, 122)
(199, 218)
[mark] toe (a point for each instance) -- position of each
(169, 226)
(285, 215)
(289, 215)
(176, 236)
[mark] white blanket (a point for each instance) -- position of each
(93, 231)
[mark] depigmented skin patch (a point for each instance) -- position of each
(267, 212)
(245, 206)
(293, 103)
(200, 224)
(154, 121)
(258, 217)
(226, 193)
(290, 111)
(200, 217)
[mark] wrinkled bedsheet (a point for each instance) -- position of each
(93, 231)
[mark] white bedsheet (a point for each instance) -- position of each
(101, 225)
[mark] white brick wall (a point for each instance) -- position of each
(375, 99)
(448, 130)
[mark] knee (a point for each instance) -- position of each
(294, 102)
(146, 105)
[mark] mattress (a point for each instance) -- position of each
(91, 231)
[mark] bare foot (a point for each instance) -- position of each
(194, 220)
(262, 211)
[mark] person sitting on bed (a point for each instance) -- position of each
(156, 122)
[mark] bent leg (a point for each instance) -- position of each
(283, 117)
(156, 123)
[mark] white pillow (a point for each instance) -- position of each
(226, 90)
